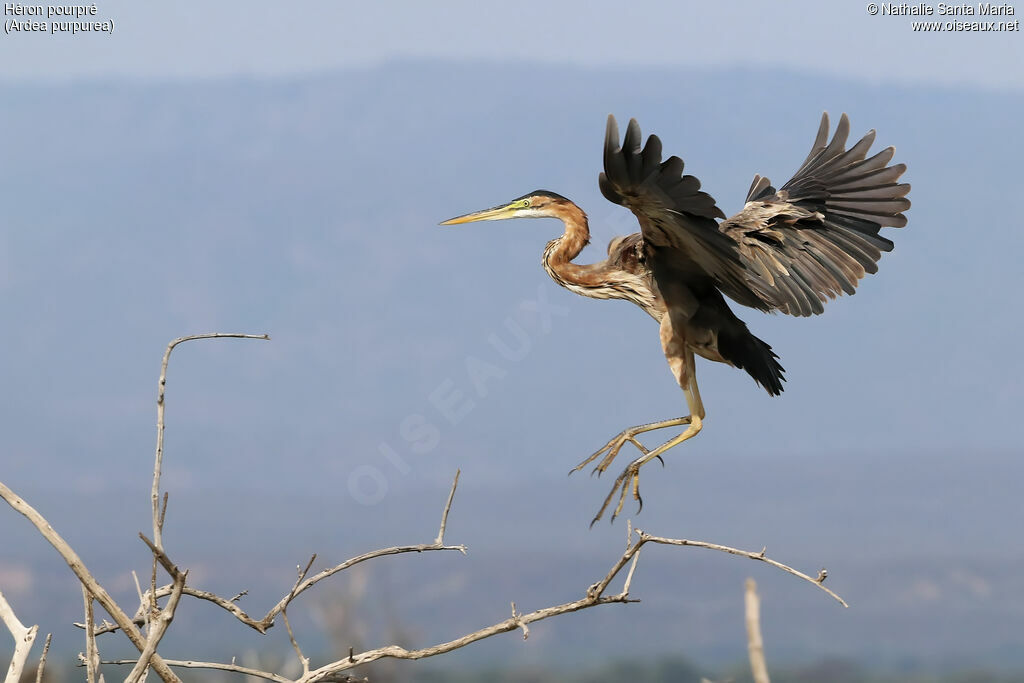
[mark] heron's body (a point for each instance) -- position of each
(787, 250)
(624, 275)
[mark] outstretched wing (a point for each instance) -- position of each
(817, 236)
(682, 239)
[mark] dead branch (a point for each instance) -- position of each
(595, 595)
(23, 636)
(218, 666)
(264, 624)
(158, 466)
(85, 577)
(42, 658)
(755, 645)
(438, 544)
(760, 556)
(92, 654)
(303, 660)
(160, 619)
(439, 541)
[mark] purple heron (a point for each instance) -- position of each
(788, 250)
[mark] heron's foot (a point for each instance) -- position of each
(611, 449)
(628, 480)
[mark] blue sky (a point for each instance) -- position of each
(259, 38)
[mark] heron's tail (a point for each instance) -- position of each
(741, 348)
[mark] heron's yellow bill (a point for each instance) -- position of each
(496, 214)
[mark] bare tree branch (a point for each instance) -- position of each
(594, 596)
(87, 579)
(92, 654)
(439, 541)
(161, 557)
(42, 659)
(160, 619)
(755, 645)
(264, 624)
(23, 636)
(158, 466)
(629, 575)
(146, 608)
(304, 585)
(139, 618)
(760, 556)
(188, 664)
(303, 660)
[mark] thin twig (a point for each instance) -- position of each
(304, 660)
(160, 555)
(92, 655)
(23, 636)
(158, 466)
(447, 507)
(86, 578)
(153, 607)
(760, 556)
(755, 645)
(164, 591)
(305, 584)
(520, 621)
(284, 615)
(298, 581)
(316, 578)
(42, 659)
(629, 575)
(149, 610)
(144, 609)
(189, 664)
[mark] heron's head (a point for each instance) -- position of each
(536, 204)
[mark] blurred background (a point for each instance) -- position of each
(263, 168)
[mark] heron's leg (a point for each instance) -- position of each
(630, 477)
(611, 449)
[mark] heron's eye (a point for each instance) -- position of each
(526, 202)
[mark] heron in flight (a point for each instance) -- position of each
(788, 250)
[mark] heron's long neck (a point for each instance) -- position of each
(559, 253)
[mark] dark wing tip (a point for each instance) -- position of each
(822, 136)
(611, 136)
